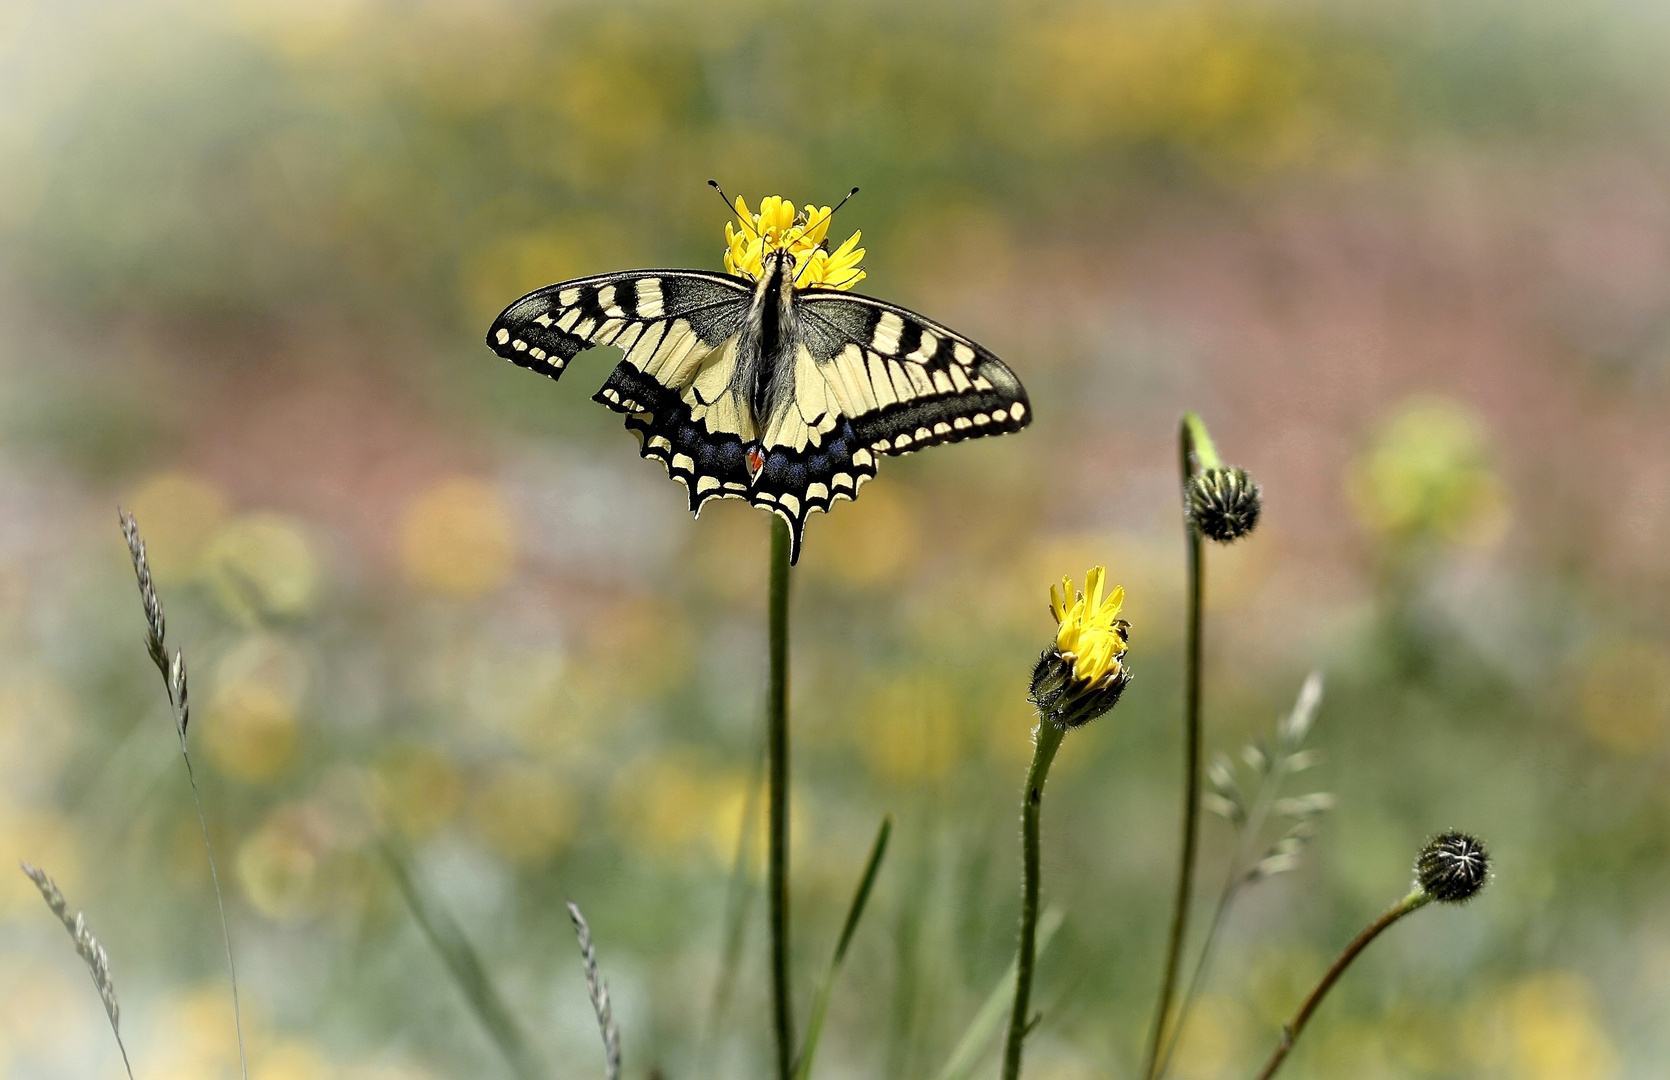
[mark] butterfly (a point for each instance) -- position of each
(763, 384)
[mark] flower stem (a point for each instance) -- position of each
(1290, 1031)
(777, 739)
(1196, 452)
(1048, 742)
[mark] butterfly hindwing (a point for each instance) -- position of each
(661, 309)
(905, 381)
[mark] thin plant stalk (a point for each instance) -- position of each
(464, 964)
(173, 669)
(88, 948)
(855, 911)
(777, 755)
(1290, 1031)
(1196, 452)
(1048, 741)
(1234, 878)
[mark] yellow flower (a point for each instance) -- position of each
(1090, 634)
(778, 228)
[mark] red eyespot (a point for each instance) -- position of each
(756, 461)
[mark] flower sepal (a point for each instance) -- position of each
(1064, 700)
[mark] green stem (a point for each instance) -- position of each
(1048, 742)
(777, 739)
(1196, 452)
(1234, 878)
(1290, 1031)
(225, 928)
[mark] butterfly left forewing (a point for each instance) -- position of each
(903, 380)
(648, 314)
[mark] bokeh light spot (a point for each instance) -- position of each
(525, 814)
(178, 514)
(262, 565)
(457, 538)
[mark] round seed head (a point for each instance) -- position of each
(1453, 867)
(1224, 504)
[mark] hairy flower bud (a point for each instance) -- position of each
(1068, 702)
(1081, 675)
(1224, 504)
(1453, 867)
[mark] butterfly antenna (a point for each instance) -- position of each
(726, 199)
(831, 216)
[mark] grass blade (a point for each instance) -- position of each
(820, 1004)
(465, 966)
(977, 1039)
(739, 901)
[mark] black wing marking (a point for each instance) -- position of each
(714, 465)
(674, 309)
(905, 381)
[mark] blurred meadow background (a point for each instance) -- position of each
(1410, 260)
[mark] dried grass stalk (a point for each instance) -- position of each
(599, 991)
(88, 948)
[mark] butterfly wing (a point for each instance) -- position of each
(871, 378)
(905, 381)
(547, 328)
(678, 330)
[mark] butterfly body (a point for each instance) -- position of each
(762, 390)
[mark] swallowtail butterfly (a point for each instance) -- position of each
(759, 389)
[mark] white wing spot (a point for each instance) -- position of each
(649, 298)
(923, 434)
(862, 458)
(1018, 410)
(568, 297)
(961, 423)
(815, 492)
(842, 480)
(964, 354)
(982, 383)
(888, 329)
(519, 345)
(683, 463)
(660, 442)
(543, 319)
(942, 428)
(789, 503)
(999, 415)
(569, 318)
(503, 336)
(706, 484)
(926, 350)
(901, 442)
(537, 354)
(981, 419)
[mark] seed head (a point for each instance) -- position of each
(1224, 504)
(1453, 867)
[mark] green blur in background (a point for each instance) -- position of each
(1410, 259)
